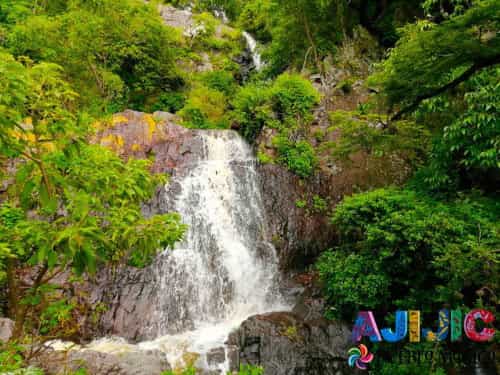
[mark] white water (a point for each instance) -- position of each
(252, 45)
(224, 271)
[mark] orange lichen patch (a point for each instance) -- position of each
(113, 142)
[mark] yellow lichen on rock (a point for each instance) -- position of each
(113, 142)
(151, 123)
(118, 119)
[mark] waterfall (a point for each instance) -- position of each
(252, 46)
(225, 270)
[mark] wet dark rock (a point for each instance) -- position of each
(299, 237)
(286, 344)
(216, 356)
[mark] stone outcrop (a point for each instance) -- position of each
(158, 136)
(99, 363)
(286, 344)
(300, 342)
(298, 235)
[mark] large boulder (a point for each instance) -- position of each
(286, 344)
(100, 363)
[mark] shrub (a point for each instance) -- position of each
(294, 97)
(109, 49)
(205, 108)
(252, 110)
(299, 157)
(397, 249)
(219, 80)
(169, 102)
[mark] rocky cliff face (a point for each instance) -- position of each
(127, 293)
(298, 235)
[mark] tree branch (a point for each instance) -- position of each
(462, 78)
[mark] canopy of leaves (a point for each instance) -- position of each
(119, 51)
(398, 249)
(429, 59)
(468, 153)
(69, 205)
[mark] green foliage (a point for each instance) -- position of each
(169, 102)
(447, 8)
(11, 358)
(399, 250)
(285, 105)
(320, 205)
(294, 98)
(469, 150)
(220, 80)
(302, 31)
(300, 203)
(366, 133)
(252, 109)
(205, 108)
(299, 156)
(428, 56)
(69, 205)
(250, 370)
(254, 18)
(389, 368)
(117, 50)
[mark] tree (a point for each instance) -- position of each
(69, 205)
(431, 59)
(119, 51)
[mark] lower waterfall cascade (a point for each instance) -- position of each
(225, 270)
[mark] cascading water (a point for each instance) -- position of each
(252, 46)
(225, 270)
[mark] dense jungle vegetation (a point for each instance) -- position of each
(70, 206)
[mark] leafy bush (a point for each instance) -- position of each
(169, 102)
(299, 156)
(219, 80)
(286, 105)
(252, 109)
(294, 97)
(397, 249)
(113, 49)
(366, 133)
(70, 205)
(468, 153)
(205, 108)
(254, 18)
